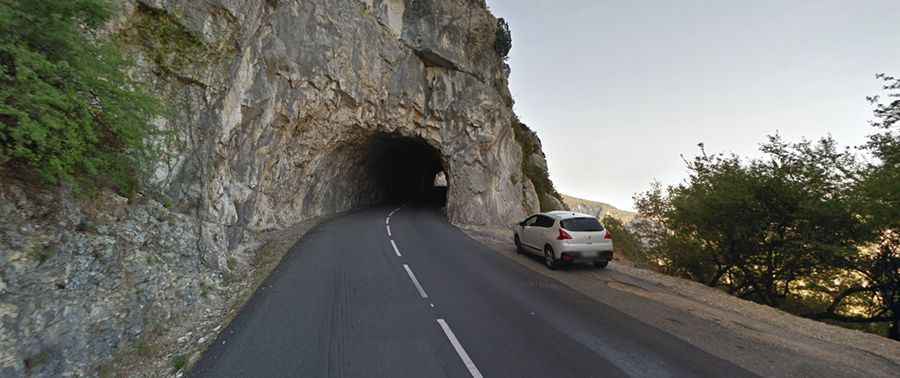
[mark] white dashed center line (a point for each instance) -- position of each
(415, 281)
(459, 349)
(444, 326)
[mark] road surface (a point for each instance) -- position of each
(402, 293)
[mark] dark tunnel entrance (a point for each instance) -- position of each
(407, 170)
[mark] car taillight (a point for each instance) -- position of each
(563, 235)
(608, 235)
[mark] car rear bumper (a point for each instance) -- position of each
(584, 249)
(585, 256)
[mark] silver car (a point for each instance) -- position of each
(564, 237)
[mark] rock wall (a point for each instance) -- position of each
(536, 172)
(275, 106)
(284, 94)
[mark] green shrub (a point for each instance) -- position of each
(626, 243)
(68, 111)
(179, 362)
(503, 41)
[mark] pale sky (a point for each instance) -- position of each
(617, 90)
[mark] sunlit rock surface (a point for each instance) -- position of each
(276, 108)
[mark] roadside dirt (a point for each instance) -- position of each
(761, 339)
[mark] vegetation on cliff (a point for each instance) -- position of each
(174, 49)
(808, 228)
(68, 109)
(547, 195)
(503, 39)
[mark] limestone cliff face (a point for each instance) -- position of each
(279, 100)
(277, 105)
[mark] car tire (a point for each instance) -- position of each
(518, 244)
(549, 258)
(601, 264)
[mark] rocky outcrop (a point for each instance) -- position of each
(284, 97)
(535, 170)
(280, 113)
(598, 209)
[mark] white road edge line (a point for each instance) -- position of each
(397, 251)
(388, 230)
(415, 281)
(459, 349)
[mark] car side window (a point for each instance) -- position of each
(530, 221)
(544, 221)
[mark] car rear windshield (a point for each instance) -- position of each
(581, 224)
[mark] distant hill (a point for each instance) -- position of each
(598, 209)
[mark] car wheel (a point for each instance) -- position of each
(518, 245)
(601, 264)
(549, 259)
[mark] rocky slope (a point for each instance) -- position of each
(283, 111)
(598, 209)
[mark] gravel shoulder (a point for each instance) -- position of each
(759, 338)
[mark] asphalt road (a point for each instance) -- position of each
(344, 303)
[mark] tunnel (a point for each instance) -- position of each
(404, 169)
(375, 168)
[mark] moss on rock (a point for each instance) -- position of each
(169, 44)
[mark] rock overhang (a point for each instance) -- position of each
(311, 79)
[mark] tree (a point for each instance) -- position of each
(627, 244)
(877, 192)
(808, 217)
(754, 228)
(67, 108)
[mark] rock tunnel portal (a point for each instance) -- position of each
(405, 169)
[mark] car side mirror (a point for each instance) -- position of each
(522, 223)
